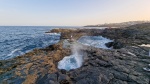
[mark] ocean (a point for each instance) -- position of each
(18, 40)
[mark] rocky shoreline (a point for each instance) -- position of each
(122, 65)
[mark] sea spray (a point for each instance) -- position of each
(73, 61)
(76, 50)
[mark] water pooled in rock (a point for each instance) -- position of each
(95, 41)
(73, 61)
(70, 62)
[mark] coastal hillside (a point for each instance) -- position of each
(123, 24)
(126, 60)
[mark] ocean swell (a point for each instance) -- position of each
(20, 40)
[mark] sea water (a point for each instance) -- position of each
(74, 60)
(71, 62)
(17, 40)
(95, 41)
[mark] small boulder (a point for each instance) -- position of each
(109, 44)
(115, 45)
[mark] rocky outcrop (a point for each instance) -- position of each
(115, 45)
(137, 34)
(122, 65)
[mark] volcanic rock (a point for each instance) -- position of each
(115, 45)
(121, 65)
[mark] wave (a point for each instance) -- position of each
(53, 34)
(13, 53)
(18, 41)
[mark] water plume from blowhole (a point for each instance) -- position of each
(73, 61)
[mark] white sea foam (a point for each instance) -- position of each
(73, 61)
(70, 62)
(54, 34)
(95, 41)
(12, 52)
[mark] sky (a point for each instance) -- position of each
(71, 12)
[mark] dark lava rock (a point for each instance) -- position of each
(48, 79)
(109, 44)
(63, 71)
(115, 45)
(130, 33)
(55, 78)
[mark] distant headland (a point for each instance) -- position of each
(122, 24)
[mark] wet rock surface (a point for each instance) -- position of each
(122, 65)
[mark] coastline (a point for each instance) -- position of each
(122, 65)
